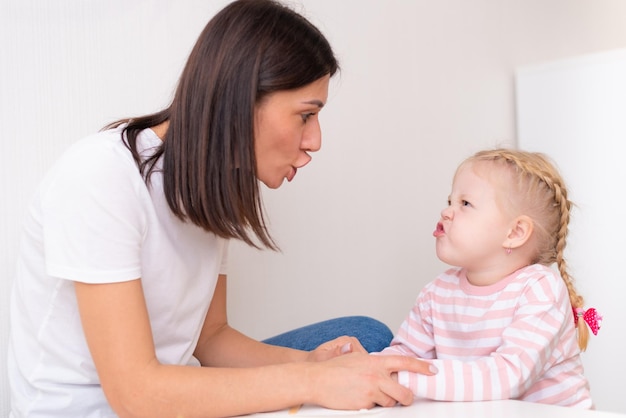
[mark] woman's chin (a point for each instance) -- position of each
(274, 184)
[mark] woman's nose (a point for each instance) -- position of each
(312, 137)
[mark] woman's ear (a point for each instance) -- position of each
(520, 232)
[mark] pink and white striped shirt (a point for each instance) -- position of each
(514, 339)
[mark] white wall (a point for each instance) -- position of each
(423, 85)
(574, 110)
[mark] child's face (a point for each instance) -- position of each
(473, 228)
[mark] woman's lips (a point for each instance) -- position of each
(291, 175)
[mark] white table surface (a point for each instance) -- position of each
(421, 408)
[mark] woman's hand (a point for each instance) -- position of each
(358, 380)
(335, 348)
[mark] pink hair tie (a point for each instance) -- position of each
(590, 316)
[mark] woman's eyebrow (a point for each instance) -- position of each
(317, 103)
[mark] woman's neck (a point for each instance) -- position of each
(161, 129)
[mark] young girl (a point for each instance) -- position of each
(501, 324)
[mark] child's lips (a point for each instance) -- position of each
(439, 231)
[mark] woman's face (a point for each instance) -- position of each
(286, 130)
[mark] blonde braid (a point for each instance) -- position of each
(535, 173)
(555, 183)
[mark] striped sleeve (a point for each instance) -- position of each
(486, 347)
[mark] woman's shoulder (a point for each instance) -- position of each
(98, 162)
(110, 142)
(106, 150)
(92, 149)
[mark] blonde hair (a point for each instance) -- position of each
(540, 192)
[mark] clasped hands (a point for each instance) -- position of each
(347, 377)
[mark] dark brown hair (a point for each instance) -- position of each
(250, 49)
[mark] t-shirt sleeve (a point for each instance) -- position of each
(224, 259)
(93, 215)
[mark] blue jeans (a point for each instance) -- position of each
(373, 334)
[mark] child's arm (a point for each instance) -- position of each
(415, 337)
(531, 345)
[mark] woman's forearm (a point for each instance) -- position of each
(228, 347)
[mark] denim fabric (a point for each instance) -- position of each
(373, 334)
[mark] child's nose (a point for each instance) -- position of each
(447, 213)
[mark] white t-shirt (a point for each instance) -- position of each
(95, 220)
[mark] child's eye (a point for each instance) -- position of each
(465, 203)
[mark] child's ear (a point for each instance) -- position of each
(520, 232)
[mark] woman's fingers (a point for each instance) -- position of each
(398, 363)
(335, 348)
(395, 393)
(364, 381)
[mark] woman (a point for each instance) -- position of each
(120, 291)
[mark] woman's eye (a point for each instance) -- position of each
(306, 116)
